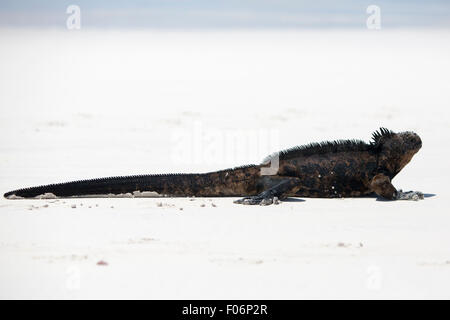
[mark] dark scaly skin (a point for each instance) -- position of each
(342, 174)
(230, 182)
(348, 168)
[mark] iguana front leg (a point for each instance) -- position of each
(382, 186)
(283, 187)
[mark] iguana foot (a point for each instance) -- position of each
(262, 201)
(281, 188)
(409, 195)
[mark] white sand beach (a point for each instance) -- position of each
(95, 103)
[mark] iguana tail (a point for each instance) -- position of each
(231, 182)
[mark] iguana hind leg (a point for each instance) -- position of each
(280, 190)
(382, 186)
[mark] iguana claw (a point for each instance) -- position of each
(262, 201)
(409, 195)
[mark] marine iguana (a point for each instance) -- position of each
(341, 168)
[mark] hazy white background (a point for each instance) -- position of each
(114, 98)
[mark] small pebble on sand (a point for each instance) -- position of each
(343, 245)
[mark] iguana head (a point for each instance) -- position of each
(395, 149)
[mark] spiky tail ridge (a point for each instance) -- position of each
(230, 182)
(141, 185)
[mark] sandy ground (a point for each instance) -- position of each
(96, 103)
